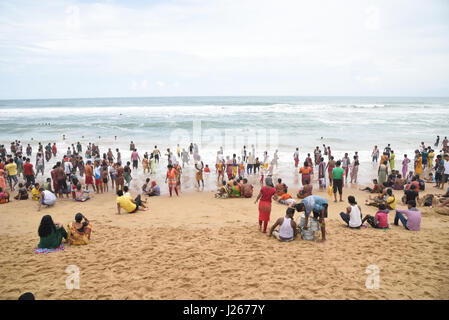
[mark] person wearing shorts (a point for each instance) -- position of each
(337, 174)
(11, 167)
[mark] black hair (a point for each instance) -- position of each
(279, 180)
(338, 163)
(290, 210)
(78, 217)
(412, 203)
(389, 192)
(125, 188)
(27, 296)
(351, 200)
(46, 227)
(382, 206)
(412, 187)
(147, 180)
(299, 206)
(120, 193)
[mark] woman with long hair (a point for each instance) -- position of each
(50, 233)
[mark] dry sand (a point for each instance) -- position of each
(198, 247)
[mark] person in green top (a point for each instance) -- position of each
(235, 190)
(337, 173)
(51, 233)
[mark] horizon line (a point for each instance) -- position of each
(220, 96)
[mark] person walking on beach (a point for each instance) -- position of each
(171, 178)
(127, 172)
(135, 158)
(89, 180)
(199, 166)
(345, 162)
(330, 166)
(156, 154)
(265, 196)
(119, 177)
(383, 172)
(40, 164)
(418, 163)
(131, 146)
(354, 169)
(185, 157)
(375, 154)
(337, 178)
(296, 157)
(405, 163)
(437, 142)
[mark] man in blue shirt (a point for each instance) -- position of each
(316, 205)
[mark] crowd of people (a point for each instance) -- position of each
(75, 173)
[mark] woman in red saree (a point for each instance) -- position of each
(265, 195)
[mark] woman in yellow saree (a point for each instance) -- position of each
(79, 231)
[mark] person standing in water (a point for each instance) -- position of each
(405, 163)
(375, 154)
(296, 157)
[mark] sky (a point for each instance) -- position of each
(75, 49)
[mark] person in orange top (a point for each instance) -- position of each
(171, 178)
(281, 188)
(305, 173)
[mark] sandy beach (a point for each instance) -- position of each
(198, 247)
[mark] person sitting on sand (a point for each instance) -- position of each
(380, 220)
(410, 194)
(146, 186)
(80, 195)
(129, 204)
(50, 233)
(246, 189)
(305, 191)
(399, 183)
(285, 199)
(35, 193)
(46, 198)
(281, 188)
(79, 232)
(23, 193)
(287, 227)
(235, 190)
(374, 189)
(4, 196)
(353, 215)
(413, 220)
(223, 192)
(316, 205)
(155, 190)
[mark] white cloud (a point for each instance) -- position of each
(229, 47)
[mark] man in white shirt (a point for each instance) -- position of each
(68, 168)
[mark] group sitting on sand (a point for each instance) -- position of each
(235, 188)
(52, 234)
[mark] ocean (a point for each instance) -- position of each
(346, 124)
